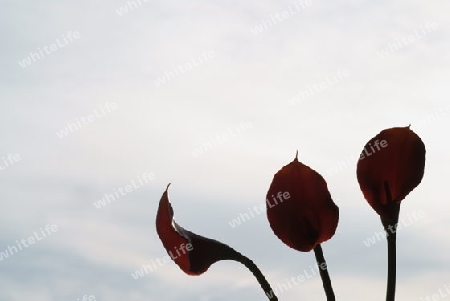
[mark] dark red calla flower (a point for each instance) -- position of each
(299, 207)
(193, 253)
(391, 165)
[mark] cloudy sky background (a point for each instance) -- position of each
(155, 129)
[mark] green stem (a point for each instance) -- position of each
(323, 269)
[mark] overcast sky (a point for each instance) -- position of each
(92, 97)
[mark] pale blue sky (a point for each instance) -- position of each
(155, 129)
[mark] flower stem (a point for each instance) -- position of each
(323, 269)
(258, 275)
(390, 226)
(392, 263)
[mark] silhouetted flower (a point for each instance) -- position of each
(299, 207)
(193, 253)
(391, 165)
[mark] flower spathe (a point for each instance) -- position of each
(308, 216)
(193, 253)
(391, 172)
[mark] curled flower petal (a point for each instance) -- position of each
(300, 210)
(391, 165)
(193, 253)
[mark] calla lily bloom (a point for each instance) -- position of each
(391, 165)
(193, 253)
(300, 210)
